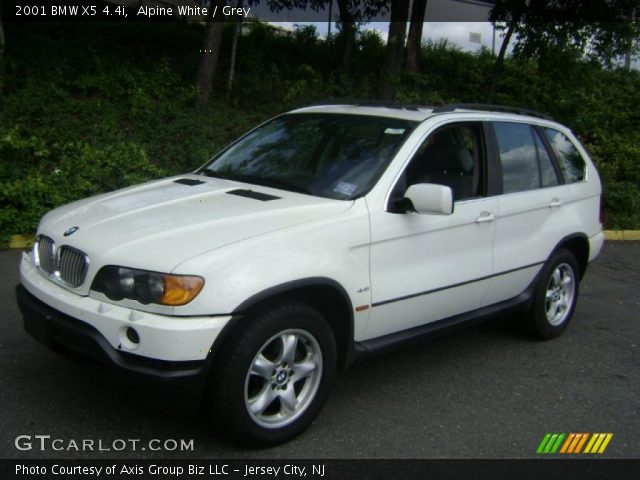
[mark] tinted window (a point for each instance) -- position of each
(329, 155)
(547, 172)
(450, 156)
(520, 169)
(570, 160)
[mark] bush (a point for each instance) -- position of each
(87, 108)
(36, 177)
(617, 157)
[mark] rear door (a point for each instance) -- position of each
(531, 213)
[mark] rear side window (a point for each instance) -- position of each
(570, 160)
(548, 175)
(518, 157)
(526, 164)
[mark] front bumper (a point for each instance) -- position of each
(161, 337)
(56, 330)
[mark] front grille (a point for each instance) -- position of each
(72, 266)
(46, 254)
(68, 264)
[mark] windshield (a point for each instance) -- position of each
(328, 155)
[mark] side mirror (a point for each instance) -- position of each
(430, 198)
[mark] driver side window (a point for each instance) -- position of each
(451, 156)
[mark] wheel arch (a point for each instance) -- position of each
(325, 295)
(578, 244)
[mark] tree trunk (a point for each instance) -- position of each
(210, 52)
(513, 23)
(1, 32)
(499, 62)
(347, 27)
(414, 40)
(395, 47)
(234, 48)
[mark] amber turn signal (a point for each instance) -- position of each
(180, 289)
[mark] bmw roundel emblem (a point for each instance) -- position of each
(71, 231)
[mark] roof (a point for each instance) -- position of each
(418, 113)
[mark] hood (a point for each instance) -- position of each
(157, 225)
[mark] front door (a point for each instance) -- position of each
(426, 267)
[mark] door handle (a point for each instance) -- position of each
(555, 202)
(485, 217)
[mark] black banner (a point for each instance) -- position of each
(546, 469)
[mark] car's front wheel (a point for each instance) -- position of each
(272, 376)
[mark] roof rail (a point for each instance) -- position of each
(359, 102)
(488, 107)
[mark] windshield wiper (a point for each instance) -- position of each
(211, 173)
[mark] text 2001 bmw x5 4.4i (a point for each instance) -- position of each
(323, 235)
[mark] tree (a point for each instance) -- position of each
(211, 53)
(234, 48)
(395, 47)
(600, 30)
(347, 32)
(513, 13)
(350, 14)
(414, 40)
(1, 32)
(603, 31)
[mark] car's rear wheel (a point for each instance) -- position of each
(273, 375)
(555, 297)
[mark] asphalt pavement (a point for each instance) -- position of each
(483, 392)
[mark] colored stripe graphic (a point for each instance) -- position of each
(555, 447)
(567, 443)
(605, 443)
(543, 443)
(598, 442)
(581, 442)
(550, 443)
(573, 443)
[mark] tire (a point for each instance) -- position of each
(272, 375)
(555, 297)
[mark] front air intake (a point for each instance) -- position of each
(72, 266)
(46, 254)
(66, 264)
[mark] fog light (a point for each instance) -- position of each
(133, 336)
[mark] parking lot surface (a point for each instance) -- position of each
(483, 392)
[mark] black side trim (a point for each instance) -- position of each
(188, 181)
(493, 161)
(427, 292)
(284, 287)
(387, 342)
(251, 194)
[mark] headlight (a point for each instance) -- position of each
(118, 283)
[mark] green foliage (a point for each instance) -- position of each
(601, 30)
(36, 177)
(90, 108)
(617, 157)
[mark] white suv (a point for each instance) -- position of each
(323, 235)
